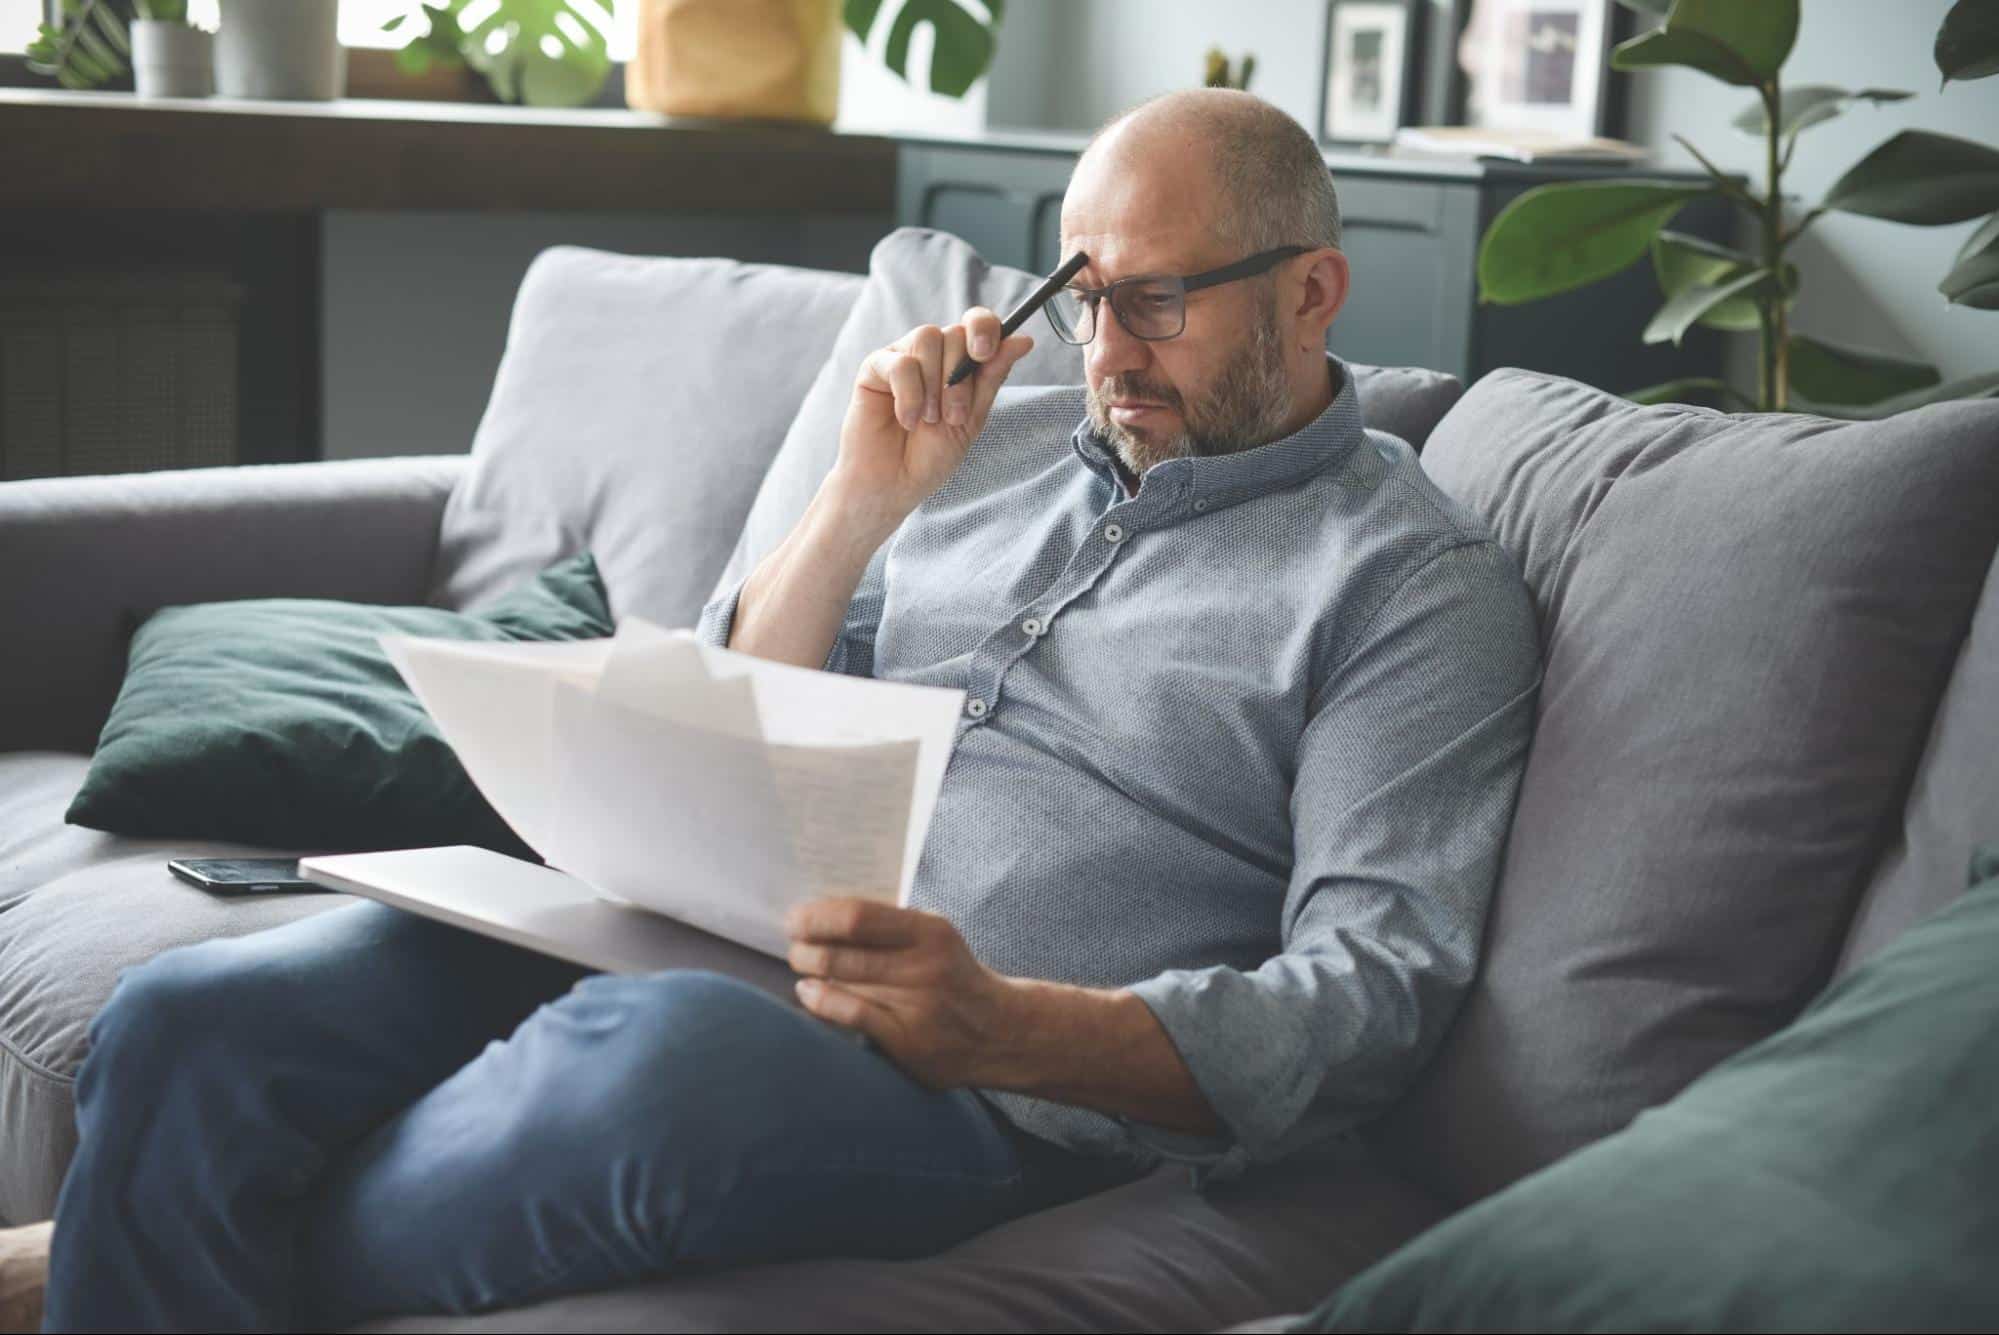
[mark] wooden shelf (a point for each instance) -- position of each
(116, 151)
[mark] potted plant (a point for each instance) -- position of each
(748, 59)
(87, 45)
(284, 49)
(170, 56)
(1558, 237)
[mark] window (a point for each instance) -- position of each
(17, 23)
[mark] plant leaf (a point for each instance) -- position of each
(1968, 41)
(517, 62)
(1742, 42)
(1807, 105)
(1922, 178)
(1568, 235)
(860, 16)
(1706, 391)
(1830, 373)
(1682, 261)
(1984, 386)
(1973, 279)
(963, 50)
(1695, 300)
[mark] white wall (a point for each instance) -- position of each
(1869, 283)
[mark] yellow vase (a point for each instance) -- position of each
(738, 59)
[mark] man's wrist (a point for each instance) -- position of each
(868, 518)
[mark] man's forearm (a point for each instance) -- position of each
(1097, 1048)
(793, 603)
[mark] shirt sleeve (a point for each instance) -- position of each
(1407, 773)
(853, 650)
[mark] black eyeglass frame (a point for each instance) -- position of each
(1227, 273)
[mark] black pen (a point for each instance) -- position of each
(1018, 316)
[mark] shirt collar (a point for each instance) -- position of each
(1222, 479)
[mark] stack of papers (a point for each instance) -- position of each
(708, 785)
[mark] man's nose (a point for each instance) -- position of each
(1113, 350)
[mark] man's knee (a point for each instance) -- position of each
(692, 1055)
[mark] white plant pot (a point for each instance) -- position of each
(171, 59)
(285, 49)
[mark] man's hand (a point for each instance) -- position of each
(908, 981)
(905, 431)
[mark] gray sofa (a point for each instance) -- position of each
(1766, 744)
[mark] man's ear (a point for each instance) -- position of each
(1323, 294)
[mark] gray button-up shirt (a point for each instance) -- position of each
(1247, 743)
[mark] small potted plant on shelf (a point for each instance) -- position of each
(170, 56)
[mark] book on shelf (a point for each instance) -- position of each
(1474, 141)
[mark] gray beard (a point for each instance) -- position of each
(1245, 407)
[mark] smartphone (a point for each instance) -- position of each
(242, 876)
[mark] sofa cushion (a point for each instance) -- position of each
(638, 402)
(282, 721)
(1746, 623)
(1955, 799)
(918, 276)
(1151, 1255)
(1836, 1176)
(76, 906)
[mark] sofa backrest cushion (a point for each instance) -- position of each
(637, 405)
(918, 276)
(1746, 623)
(1955, 801)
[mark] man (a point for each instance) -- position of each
(1247, 706)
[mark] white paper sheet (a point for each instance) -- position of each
(706, 784)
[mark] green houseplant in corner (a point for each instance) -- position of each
(91, 43)
(1558, 237)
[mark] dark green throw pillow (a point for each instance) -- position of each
(1843, 1174)
(280, 721)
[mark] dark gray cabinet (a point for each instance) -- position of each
(1411, 229)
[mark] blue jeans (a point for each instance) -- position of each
(365, 1112)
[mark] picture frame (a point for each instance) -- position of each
(1368, 68)
(1537, 65)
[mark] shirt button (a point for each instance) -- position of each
(1033, 626)
(1201, 503)
(1113, 533)
(975, 707)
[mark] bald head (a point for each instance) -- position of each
(1262, 181)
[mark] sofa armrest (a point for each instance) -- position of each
(84, 559)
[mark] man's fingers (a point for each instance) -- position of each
(956, 401)
(855, 921)
(830, 1001)
(855, 964)
(987, 382)
(982, 333)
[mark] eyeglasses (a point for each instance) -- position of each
(1149, 306)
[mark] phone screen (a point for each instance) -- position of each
(242, 875)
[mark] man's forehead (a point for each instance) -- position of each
(1120, 252)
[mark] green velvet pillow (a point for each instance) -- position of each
(280, 721)
(1842, 1174)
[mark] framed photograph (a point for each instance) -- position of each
(1367, 78)
(1537, 65)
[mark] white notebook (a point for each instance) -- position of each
(708, 785)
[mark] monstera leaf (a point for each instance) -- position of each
(964, 45)
(546, 53)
